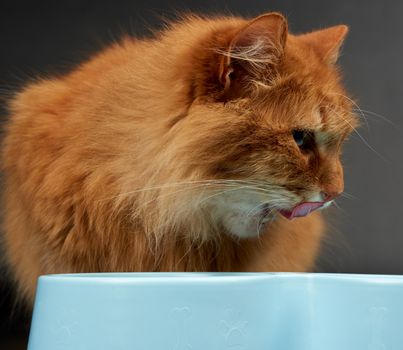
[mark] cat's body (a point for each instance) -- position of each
(140, 160)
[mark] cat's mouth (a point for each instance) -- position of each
(302, 209)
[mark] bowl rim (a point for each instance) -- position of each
(149, 277)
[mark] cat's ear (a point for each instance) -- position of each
(258, 45)
(327, 42)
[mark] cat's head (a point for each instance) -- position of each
(266, 124)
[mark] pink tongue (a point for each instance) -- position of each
(302, 209)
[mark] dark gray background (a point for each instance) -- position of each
(365, 233)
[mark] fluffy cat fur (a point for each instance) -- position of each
(158, 154)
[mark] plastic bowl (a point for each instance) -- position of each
(206, 311)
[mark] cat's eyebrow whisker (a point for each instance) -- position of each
(380, 116)
(369, 146)
(342, 117)
(355, 104)
(361, 137)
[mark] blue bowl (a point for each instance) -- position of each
(208, 311)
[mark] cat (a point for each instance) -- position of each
(203, 148)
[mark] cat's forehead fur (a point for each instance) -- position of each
(306, 93)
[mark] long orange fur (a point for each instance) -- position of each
(110, 167)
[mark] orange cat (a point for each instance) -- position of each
(190, 151)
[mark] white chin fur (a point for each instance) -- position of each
(239, 213)
(243, 227)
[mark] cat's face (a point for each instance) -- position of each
(274, 137)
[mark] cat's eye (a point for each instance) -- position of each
(303, 138)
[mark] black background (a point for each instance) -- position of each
(365, 232)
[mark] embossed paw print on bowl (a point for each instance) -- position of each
(234, 330)
(186, 311)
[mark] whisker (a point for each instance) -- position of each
(252, 189)
(380, 116)
(370, 147)
(176, 192)
(362, 138)
(222, 192)
(249, 213)
(338, 206)
(254, 209)
(173, 184)
(348, 195)
(355, 104)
